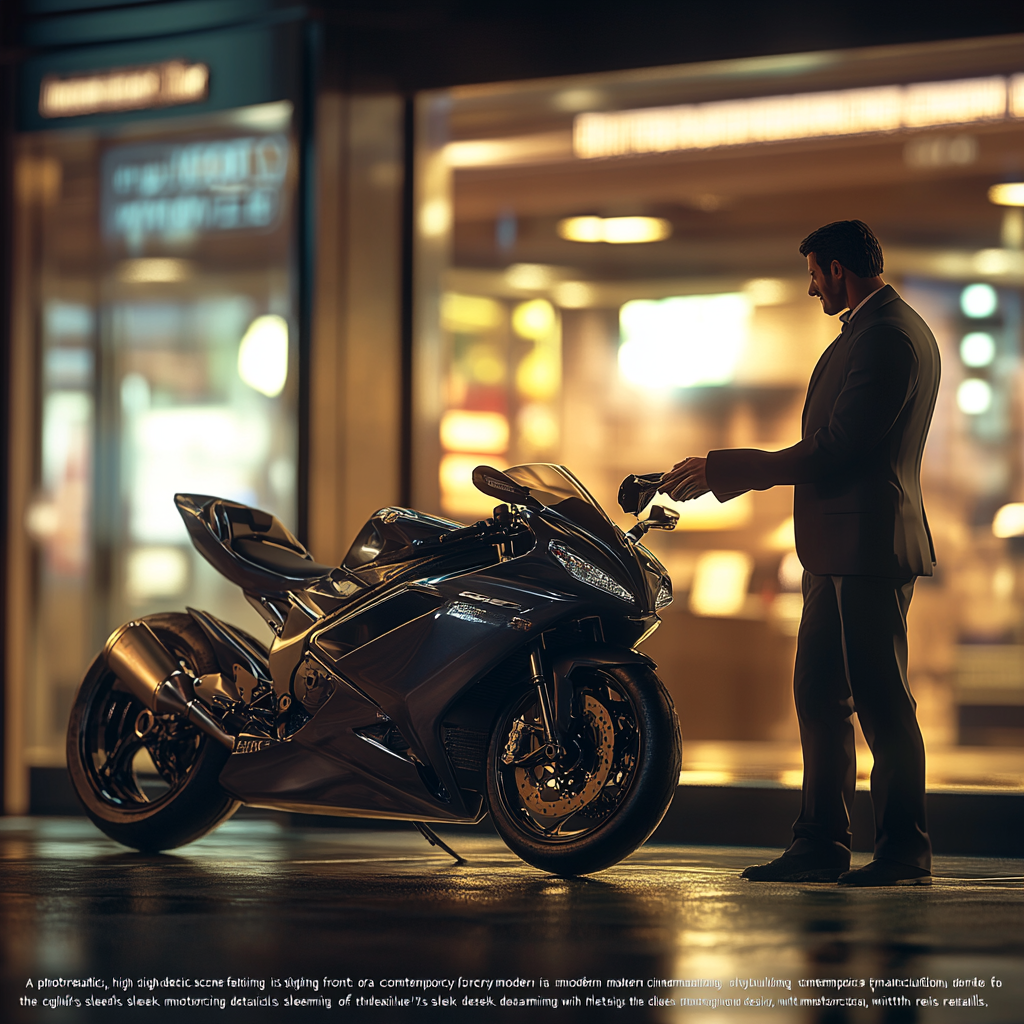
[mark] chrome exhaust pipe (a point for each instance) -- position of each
(135, 655)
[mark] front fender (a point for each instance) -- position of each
(586, 656)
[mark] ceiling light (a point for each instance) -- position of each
(1010, 193)
(616, 230)
(974, 396)
(978, 301)
(977, 348)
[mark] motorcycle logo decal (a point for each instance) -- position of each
(497, 602)
(251, 746)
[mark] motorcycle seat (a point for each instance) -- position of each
(279, 560)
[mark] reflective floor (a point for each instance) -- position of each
(384, 927)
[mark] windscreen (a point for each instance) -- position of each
(550, 484)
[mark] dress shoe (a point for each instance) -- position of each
(885, 872)
(797, 867)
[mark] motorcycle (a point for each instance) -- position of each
(440, 673)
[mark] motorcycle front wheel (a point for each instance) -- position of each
(589, 805)
(148, 781)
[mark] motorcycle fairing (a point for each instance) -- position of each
(410, 676)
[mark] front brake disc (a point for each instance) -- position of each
(550, 794)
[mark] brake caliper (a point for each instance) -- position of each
(512, 743)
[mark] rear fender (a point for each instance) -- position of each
(590, 656)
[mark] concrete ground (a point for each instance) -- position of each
(386, 928)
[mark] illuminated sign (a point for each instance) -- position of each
(155, 85)
(175, 192)
(889, 108)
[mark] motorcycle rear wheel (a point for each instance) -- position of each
(594, 806)
(157, 790)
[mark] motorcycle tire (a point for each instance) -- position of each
(160, 789)
(593, 805)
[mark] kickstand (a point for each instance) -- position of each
(435, 840)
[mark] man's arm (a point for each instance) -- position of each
(881, 376)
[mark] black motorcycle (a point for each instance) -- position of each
(438, 674)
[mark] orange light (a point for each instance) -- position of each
(463, 430)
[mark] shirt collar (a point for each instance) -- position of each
(851, 313)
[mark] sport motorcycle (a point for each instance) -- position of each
(439, 674)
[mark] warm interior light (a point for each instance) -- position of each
(1009, 520)
(720, 582)
(154, 270)
(459, 497)
(688, 341)
(574, 294)
(708, 513)
(535, 319)
(469, 313)
(263, 355)
(811, 115)
(791, 572)
(974, 396)
(616, 230)
(783, 537)
(977, 348)
(157, 572)
(1010, 193)
(464, 430)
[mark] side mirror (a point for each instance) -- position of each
(636, 492)
(661, 518)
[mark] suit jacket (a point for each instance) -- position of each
(857, 508)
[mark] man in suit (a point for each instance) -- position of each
(862, 537)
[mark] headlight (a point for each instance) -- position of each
(580, 569)
(664, 598)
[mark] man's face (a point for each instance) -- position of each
(831, 290)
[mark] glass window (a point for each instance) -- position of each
(160, 279)
(609, 278)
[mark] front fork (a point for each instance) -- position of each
(554, 698)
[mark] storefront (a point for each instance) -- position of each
(609, 277)
(242, 267)
(157, 339)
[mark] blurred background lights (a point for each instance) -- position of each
(574, 294)
(470, 431)
(538, 425)
(720, 581)
(977, 348)
(263, 355)
(974, 396)
(469, 313)
(791, 572)
(978, 301)
(1009, 520)
(687, 341)
(534, 320)
(1010, 193)
(616, 230)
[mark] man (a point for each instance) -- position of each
(862, 537)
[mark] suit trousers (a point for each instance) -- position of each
(852, 656)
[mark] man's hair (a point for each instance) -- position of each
(851, 242)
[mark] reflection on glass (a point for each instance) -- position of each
(163, 259)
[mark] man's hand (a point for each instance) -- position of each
(686, 480)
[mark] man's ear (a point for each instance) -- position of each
(837, 270)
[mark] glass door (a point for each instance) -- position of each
(160, 305)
